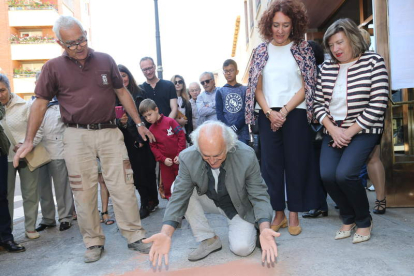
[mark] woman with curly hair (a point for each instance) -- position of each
(282, 80)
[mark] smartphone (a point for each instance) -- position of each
(119, 111)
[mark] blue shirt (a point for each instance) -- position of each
(230, 107)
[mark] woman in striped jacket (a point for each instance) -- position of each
(350, 101)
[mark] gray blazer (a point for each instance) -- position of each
(244, 183)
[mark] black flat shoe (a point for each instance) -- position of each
(64, 226)
(380, 207)
(315, 213)
(144, 212)
(42, 227)
(13, 247)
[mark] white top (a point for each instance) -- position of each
(281, 76)
(338, 105)
(215, 173)
(180, 103)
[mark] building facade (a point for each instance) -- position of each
(27, 40)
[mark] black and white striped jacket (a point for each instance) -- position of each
(367, 91)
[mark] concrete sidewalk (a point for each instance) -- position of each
(314, 252)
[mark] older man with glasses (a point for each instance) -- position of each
(86, 83)
(206, 101)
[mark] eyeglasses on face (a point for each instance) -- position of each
(205, 82)
(81, 42)
(147, 69)
(179, 82)
(193, 90)
(228, 71)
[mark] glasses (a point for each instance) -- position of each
(228, 71)
(73, 46)
(205, 82)
(147, 69)
(179, 82)
(193, 90)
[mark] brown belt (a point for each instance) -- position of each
(94, 126)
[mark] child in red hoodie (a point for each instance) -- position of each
(170, 141)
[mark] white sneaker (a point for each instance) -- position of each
(371, 188)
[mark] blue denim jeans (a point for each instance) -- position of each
(340, 169)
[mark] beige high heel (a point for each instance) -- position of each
(344, 234)
(359, 238)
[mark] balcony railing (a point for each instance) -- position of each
(14, 39)
(24, 85)
(29, 5)
(36, 51)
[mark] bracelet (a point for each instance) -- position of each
(140, 124)
(286, 109)
(283, 114)
(268, 113)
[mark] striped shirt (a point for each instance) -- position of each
(367, 91)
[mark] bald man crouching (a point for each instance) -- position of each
(218, 174)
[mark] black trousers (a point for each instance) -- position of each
(5, 219)
(143, 165)
(340, 169)
(288, 154)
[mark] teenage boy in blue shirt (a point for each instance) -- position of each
(230, 102)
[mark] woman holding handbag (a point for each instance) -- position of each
(15, 125)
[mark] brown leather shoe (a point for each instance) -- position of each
(282, 224)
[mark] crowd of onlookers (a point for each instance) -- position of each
(319, 122)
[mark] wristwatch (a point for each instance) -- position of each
(140, 124)
(268, 113)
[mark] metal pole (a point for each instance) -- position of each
(158, 40)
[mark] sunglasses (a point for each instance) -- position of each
(179, 82)
(205, 82)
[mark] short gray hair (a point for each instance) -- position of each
(146, 58)
(229, 136)
(195, 83)
(351, 31)
(208, 73)
(4, 79)
(65, 22)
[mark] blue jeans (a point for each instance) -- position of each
(340, 169)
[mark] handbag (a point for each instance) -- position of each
(34, 159)
(4, 143)
(317, 134)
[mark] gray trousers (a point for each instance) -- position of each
(30, 195)
(57, 171)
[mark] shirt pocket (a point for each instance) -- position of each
(103, 78)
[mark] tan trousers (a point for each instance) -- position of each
(82, 147)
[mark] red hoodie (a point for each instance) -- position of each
(170, 139)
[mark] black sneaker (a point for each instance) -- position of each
(144, 212)
(64, 226)
(139, 246)
(152, 206)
